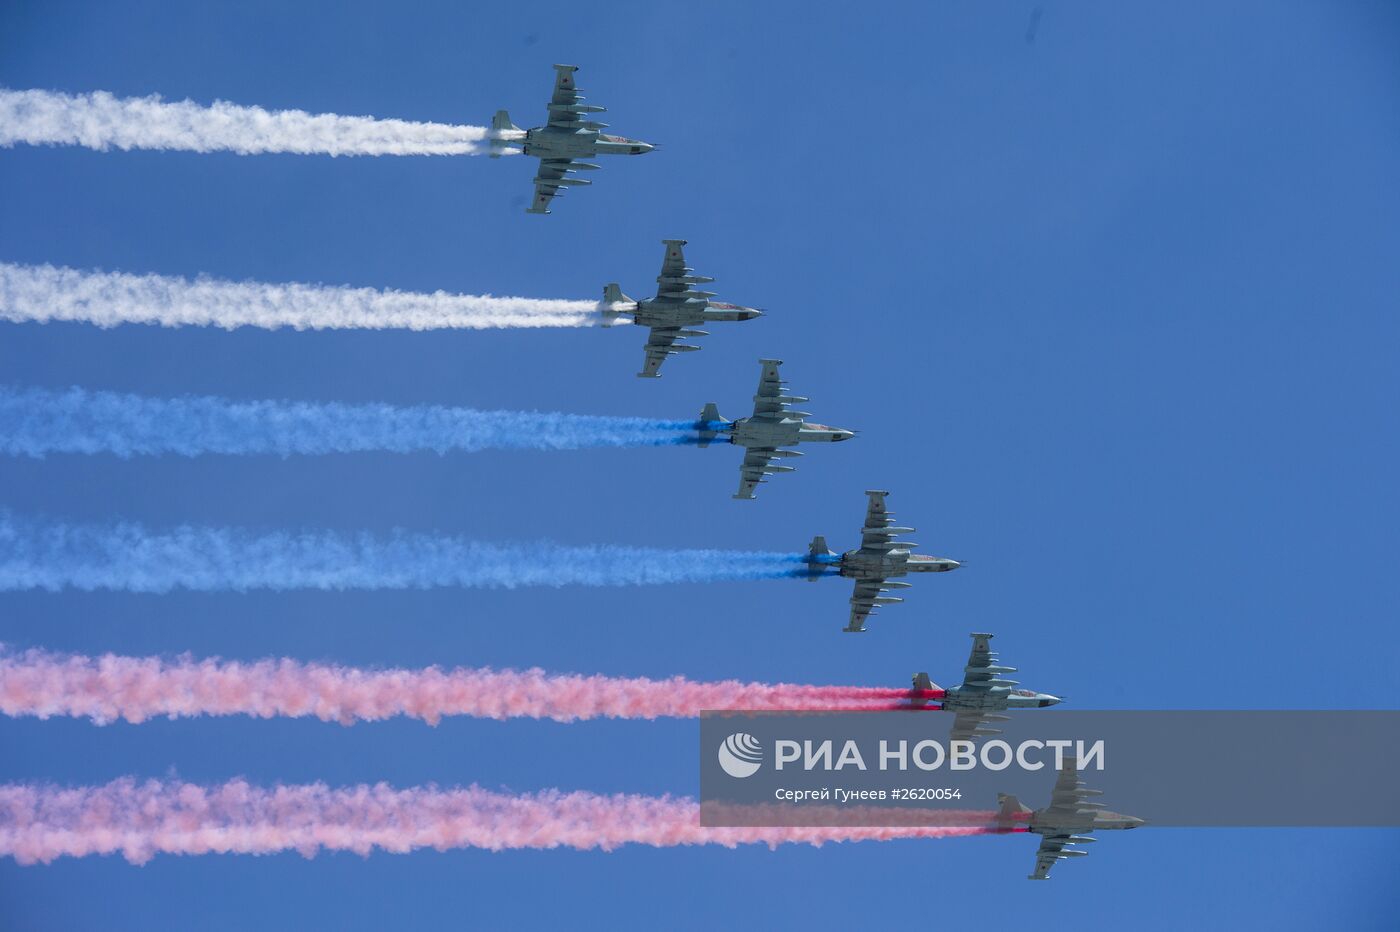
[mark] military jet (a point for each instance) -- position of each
(873, 566)
(983, 693)
(1063, 822)
(772, 425)
(568, 136)
(676, 307)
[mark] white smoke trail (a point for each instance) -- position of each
(36, 422)
(111, 687)
(101, 121)
(127, 557)
(46, 293)
(41, 823)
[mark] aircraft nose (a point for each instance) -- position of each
(843, 435)
(1047, 699)
(1135, 822)
(953, 564)
(751, 313)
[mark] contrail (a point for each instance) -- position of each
(110, 688)
(102, 121)
(46, 293)
(127, 557)
(40, 823)
(36, 422)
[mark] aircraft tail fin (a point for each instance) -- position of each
(819, 557)
(1010, 810)
(502, 129)
(710, 423)
(613, 303)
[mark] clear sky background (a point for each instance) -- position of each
(1108, 289)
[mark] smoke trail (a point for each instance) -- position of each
(35, 422)
(46, 293)
(101, 121)
(40, 823)
(107, 688)
(128, 557)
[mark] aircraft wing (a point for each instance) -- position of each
(672, 282)
(548, 182)
(968, 724)
(565, 100)
(982, 671)
(863, 603)
(659, 343)
(879, 532)
(751, 470)
(1051, 850)
(769, 401)
(1070, 797)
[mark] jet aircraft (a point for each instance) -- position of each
(676, 307)
(773, 424)
(569, 135)
(874, 565)
(1063, 823)
(981, 696)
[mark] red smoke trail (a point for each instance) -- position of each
(112, 687)
(139, 820)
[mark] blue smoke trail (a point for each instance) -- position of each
(35, 422)
(128, 557)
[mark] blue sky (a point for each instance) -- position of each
(1113, 307)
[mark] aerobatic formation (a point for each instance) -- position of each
(40, 822)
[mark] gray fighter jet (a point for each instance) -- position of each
(1064, 822)
(568, 136)
(874, 566)
(675, 308)
(982, 695)
(774, 424)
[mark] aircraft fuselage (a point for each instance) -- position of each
(867, 564)
(554, 142)
(995, 698)
(764, 432)
(1042, 823)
